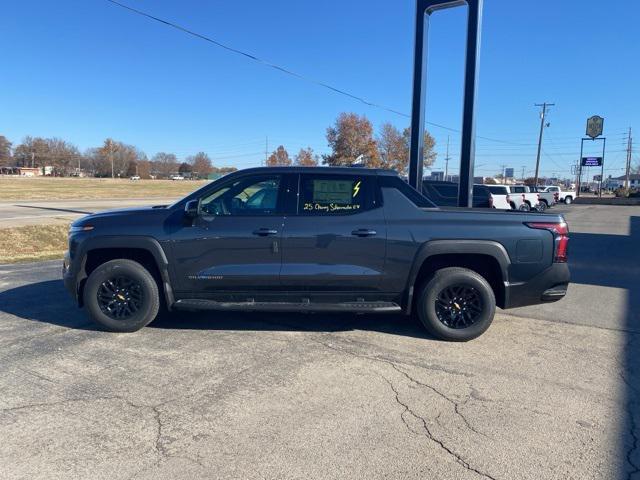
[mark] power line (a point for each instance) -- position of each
(257, 59)
(292, 73)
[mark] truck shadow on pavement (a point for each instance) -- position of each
(49, 302)
(614, 261)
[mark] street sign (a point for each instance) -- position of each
(595, 125)
(591, 161)
(508, 172)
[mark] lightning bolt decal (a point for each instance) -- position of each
(356, 189)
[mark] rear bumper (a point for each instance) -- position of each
(546, 287)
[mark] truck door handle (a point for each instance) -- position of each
(265, 232)
(364, 232)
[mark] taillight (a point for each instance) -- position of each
(561, 235)
(490, 201)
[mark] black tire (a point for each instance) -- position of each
(135, 300)
(524, 207)
(456, 278)
(568, 200)
(541, 207)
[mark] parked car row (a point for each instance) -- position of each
(502, 197)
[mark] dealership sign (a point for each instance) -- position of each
(591, 161)
(595, 125)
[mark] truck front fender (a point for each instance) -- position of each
(124, 242)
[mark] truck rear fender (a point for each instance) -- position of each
(488, 256)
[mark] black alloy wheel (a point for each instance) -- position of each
(120, 297)
(459, 306)
(455, 304)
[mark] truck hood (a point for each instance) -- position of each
(135, 214)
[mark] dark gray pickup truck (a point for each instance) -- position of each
(315, 239)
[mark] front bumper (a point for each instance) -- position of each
(548, 286)
(69, 276)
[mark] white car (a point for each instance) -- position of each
(135, 177)
(502, 199)
(177, 177)
(561, 196)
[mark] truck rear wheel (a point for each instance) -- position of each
(568, 200)
(456, 304)
(122, 296)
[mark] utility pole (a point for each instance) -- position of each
(111, 158)
(629, 148)
(543, 115)
(523, 169)
(503, 171)
(446, 162)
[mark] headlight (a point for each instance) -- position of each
(80, 228)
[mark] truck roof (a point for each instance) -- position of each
(330, 170)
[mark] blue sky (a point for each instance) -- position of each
(87, 70)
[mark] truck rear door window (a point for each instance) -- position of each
(407, 190)
(335, 194)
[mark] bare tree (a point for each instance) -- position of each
(202, 166)
(144, 168)
(115, 159)
(32, 152)
(5, 151)
(61, 156)
(280, 157)
(306, 158)
(164, 164)
(429, 155)
(351, 140)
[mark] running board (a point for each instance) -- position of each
(370, 307)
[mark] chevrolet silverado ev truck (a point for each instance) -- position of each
(315, 239)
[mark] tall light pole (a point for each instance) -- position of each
(446, 162)
(629, 155)
(543, 115)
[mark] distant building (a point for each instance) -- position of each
(437, 176)
(22, 171)
(618, 182)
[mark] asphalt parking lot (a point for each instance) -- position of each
(548, 392)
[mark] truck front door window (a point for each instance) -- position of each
(246, 197)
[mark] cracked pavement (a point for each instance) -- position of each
(258, 396)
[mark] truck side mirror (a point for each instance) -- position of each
(191, 209)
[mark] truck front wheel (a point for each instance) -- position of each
(456, 304)
(122, 296)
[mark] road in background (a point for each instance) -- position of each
(544, 393)
(18, 213)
